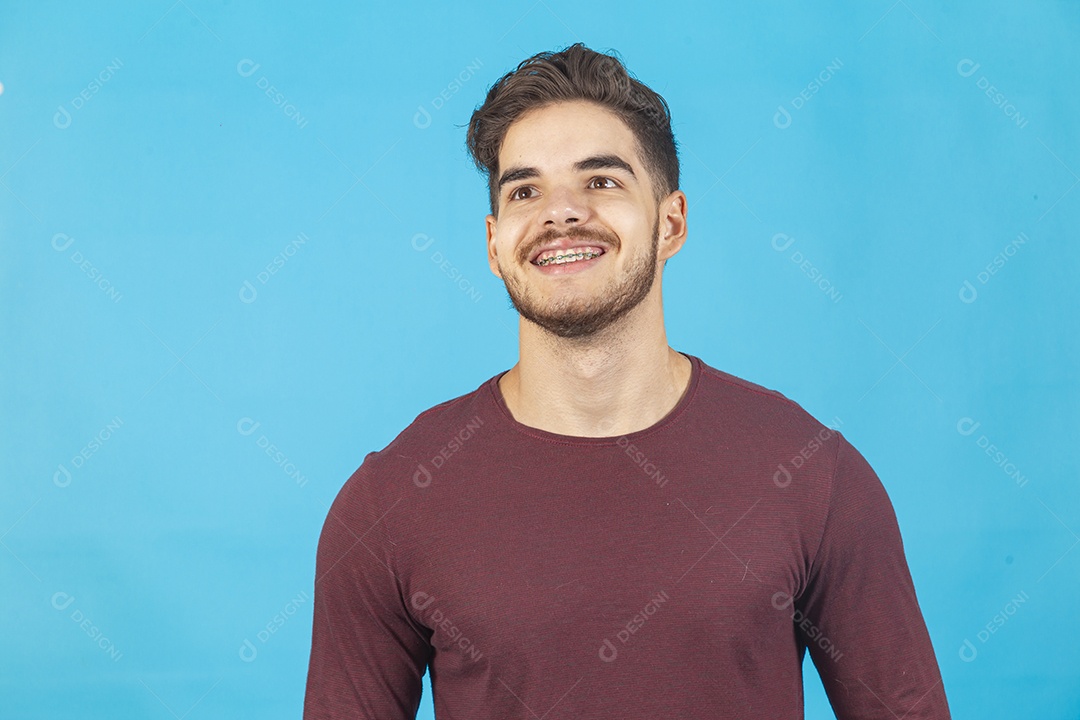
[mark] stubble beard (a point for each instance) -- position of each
(577, 318)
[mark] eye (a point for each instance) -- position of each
(515, 191)
(605, 179)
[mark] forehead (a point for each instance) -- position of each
(558, 134)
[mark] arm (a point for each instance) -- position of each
(860, 617)
(367, 657)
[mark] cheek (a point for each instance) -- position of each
(511, 233)
(506, 247)
(629, 223)
(624, 212)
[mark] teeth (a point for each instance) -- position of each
(569, 257)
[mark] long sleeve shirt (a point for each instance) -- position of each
(682, 570)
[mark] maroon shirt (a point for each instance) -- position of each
(682, 570)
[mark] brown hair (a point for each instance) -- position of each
(575, 73)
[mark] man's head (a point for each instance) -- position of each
(578, 155)
(575, 73)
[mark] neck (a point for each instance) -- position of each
(624, 379)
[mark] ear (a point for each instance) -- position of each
(490, 223)
(672, 225)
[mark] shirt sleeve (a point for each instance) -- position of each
(858, 613)
(367, 657)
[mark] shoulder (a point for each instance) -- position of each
(755, 409)
(428, 433)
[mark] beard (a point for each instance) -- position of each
(581, 317)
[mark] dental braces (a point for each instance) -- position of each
(586, 255)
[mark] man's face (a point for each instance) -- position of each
(563, 181)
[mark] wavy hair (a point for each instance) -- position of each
(575, 73)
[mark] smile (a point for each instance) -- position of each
(563, 257)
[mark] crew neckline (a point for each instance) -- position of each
(495, 394)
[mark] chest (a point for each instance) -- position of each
(574, 573)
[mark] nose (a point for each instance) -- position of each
(564, 206)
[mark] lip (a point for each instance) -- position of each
(568, 244)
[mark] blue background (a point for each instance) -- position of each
(185, 255)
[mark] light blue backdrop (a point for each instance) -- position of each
(210, 215)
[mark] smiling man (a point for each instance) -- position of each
(577, 242)
(611, 527)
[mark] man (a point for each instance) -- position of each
(610, 528)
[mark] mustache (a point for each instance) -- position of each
(574, 233)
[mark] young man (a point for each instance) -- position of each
(610, 528)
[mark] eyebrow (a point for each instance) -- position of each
(594, 162)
